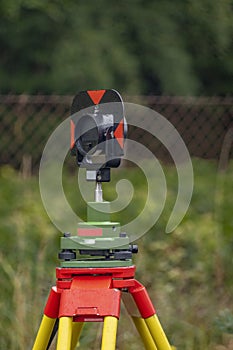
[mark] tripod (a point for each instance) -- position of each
(91, 290)
(92, 295)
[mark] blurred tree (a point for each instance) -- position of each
(95, 50)
(139, 47)
(164, 59)
(209, 31)
(28, 34)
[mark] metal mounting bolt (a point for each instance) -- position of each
(67, 234)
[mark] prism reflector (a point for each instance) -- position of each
(72, 134)
(96, 95)
(119, 133)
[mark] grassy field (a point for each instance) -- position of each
(189, 273)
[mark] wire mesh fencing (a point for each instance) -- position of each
(204, 123)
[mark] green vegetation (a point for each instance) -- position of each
(188, 273)
(139, 47)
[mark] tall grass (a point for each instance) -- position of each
(188, 274)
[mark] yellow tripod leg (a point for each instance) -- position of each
(144, 332)
(157, 333)
(44, 333)
(109, 333)
(64, 333)
(76, 332)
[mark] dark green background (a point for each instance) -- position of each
(139, 47)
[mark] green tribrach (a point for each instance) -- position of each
(98, 243)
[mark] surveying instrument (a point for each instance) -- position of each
(96, 270)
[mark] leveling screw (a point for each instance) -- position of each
(67, 234)
(67, 254)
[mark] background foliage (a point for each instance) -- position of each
(140, 47)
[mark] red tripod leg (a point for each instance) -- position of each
(147, 311)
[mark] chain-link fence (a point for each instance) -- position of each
(204, 123)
